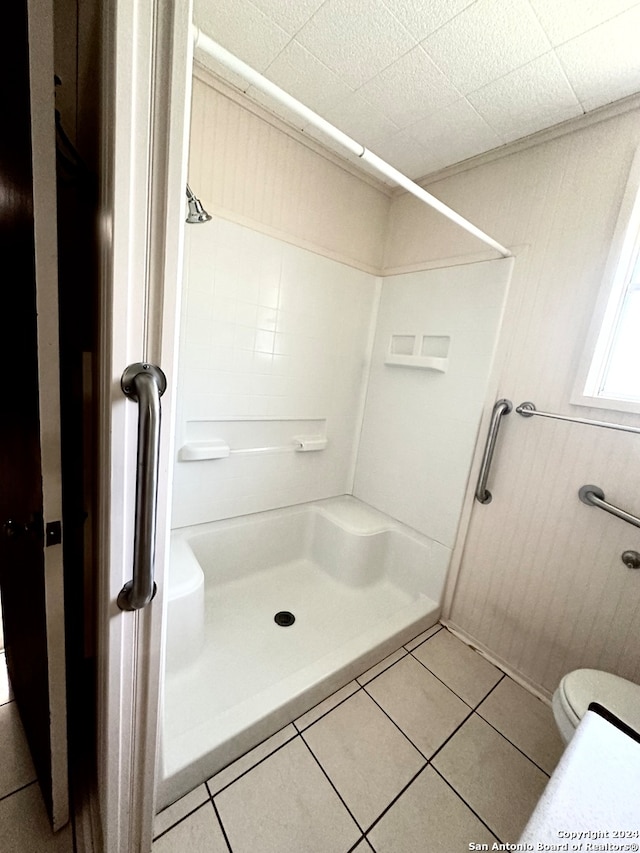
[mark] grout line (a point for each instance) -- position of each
(440, 680)
(322, 716)
(468, 704)
(17, 790)
(386, 669)
(249, 769)
(514, 745)
(460, 797)
(224, 832)
(183, 818)
(499, 681)
(472, 711)
(357, 823)
(426, 639)
(426, 757)
(395, 799)
(457, 729)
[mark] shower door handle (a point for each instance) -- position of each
(144, 384)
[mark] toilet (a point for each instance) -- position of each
(578, 689)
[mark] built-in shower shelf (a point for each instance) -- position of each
(196, 451)
(426, 352)
(423, 362)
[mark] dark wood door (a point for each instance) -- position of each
(22, 576)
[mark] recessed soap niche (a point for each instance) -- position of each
(428, 352)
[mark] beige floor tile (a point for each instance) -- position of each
(412, 644)
(526, 721)
(16, 766)
(25, 828)
(180, 809)
(286, 805)
(199, 833)
(466, 672)
(365, 756)
(429, 817)
(425, 710)
(249, 759)
(329, 704)
(497, 781)
(380, 667)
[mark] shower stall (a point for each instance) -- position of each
(326, 422)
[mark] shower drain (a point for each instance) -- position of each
(284, 618)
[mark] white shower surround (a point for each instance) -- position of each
(275, 335)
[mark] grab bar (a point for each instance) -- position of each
(502, 407)
(145, 384)
(594, 496)
(528, 410)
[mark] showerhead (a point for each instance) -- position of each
(197, 213)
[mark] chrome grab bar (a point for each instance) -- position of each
(145, 384)
(528, 410)
(502, 407)
(594, 496)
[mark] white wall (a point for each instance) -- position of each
(271, 335)
(420, 425)
(249, 167)
(541, 585)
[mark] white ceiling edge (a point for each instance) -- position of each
(603, 113)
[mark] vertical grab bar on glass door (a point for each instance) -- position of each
(502, 407)
(145, 384)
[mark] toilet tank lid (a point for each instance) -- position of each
(621, 697)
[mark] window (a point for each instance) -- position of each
(610, 374)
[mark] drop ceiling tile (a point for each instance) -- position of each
(410, 88)
(289, 16)
(423, 17)
(242, 29)
(356, 117)
(486, 41)
(300, 74)
(603, 65)
(454, 133)
(534, 96)
(571, 18)
(355, 38)
(406, 154)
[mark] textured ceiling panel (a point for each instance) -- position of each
(533, 97)
(487, 40)
(427, 83)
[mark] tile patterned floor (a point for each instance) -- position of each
(24, 824)
(430, 750)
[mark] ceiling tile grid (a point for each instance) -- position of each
(427, 83)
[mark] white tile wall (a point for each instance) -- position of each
(420, 426)
(269, 331)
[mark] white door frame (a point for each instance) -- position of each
(146, 80)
